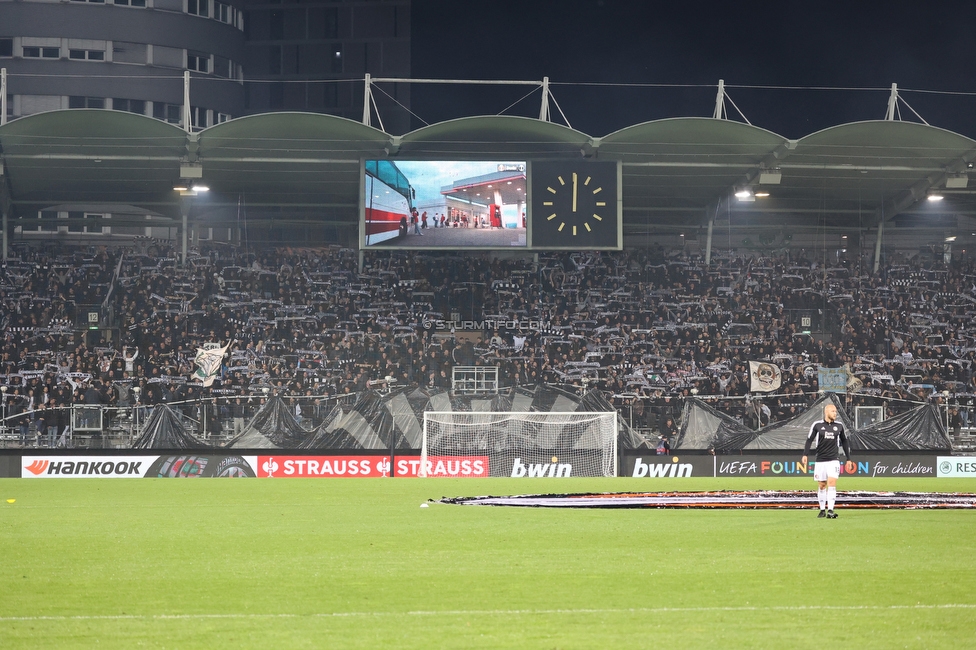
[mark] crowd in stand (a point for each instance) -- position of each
(648, 327)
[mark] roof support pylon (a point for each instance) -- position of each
(720, 101)
(187, 122)
(3, 96)
(892, 103)
(369, 103)
(544, 109)
(367, 98)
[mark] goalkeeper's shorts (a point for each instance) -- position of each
(824, 469)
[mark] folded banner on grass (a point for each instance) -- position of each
(764, 377)
(753, 499)
(208, 362)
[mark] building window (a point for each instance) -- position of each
(276, 25)
(79, 218)
(129, 105)
(52, 217)
(76, 217)
(223, 67)
(42, 53)
(131, 3)
(276, 95)
(86, 102)
(198, 117)
(198, 7)
(92, 1)
(198, 61)
(274, 59)
(30, 104)
(128, 52)
(330, 27)
(167, 57)
(167, 112)
(224, 13)
(6, 47)
(89, 55)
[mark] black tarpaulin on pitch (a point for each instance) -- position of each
(164, 430)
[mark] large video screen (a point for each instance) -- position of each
(444, 204)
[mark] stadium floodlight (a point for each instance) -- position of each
(188, 189)
(191, 170)
(745, 195)
(770, 177)
(957, 182)
(935, 197)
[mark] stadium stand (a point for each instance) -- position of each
(648, 328)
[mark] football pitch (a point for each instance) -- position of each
(357, 563)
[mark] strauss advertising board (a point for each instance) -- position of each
(247, 466)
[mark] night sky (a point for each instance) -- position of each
(919, 45)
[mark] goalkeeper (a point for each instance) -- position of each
(827, 435)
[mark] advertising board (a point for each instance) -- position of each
(780, 465)
(956, 466)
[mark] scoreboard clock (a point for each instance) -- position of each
(575, 205)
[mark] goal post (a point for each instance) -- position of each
(519, 444)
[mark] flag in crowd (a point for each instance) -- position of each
(764, 377)
(208, 362)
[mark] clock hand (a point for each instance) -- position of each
(574, 191)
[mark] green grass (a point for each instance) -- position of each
(214, 563)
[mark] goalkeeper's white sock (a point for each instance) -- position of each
(831, 497)
(822, 497)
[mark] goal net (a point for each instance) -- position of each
(519, 444)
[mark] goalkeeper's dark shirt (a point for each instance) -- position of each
(827, 438)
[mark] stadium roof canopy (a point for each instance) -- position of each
(677, 173)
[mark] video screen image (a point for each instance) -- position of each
(444, 204)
